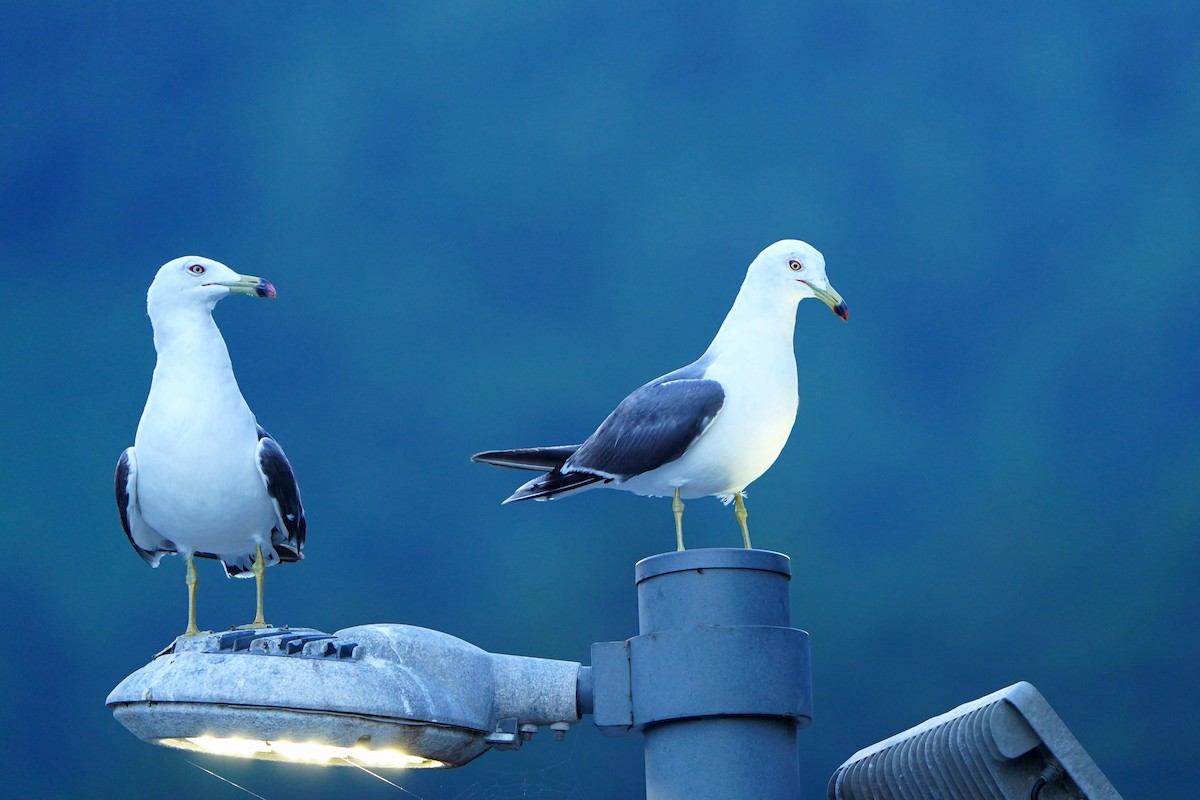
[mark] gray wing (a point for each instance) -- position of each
(149, 543)
(653, 426)
(276, 470)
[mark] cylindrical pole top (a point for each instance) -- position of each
(719, 681)
(713, 558)
(713, 586)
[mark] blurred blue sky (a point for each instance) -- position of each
(488, 222)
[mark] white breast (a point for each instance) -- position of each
(198, 479)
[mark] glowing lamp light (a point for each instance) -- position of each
(301, 752)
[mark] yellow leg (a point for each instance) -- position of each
(739, 511)
(259, 569)
(677, 507)
(191, 580)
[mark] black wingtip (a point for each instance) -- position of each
(553, 484)
(539, 459)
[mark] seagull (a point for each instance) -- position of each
(203, 478)
(710, 428)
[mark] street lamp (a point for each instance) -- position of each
(373, 695)
(717, 683)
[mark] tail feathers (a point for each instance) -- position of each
(552, 484)
(540, 459)
(288, 552)
(242, 566)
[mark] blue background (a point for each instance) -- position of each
(488, 222)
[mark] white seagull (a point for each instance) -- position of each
(712, 427)
(203, 478)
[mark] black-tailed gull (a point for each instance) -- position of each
(712, 427)
(203, 478)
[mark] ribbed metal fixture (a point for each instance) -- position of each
(999, 747)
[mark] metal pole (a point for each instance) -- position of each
(718, 682)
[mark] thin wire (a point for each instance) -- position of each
(231, 783)
(353, 763)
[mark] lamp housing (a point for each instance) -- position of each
(371, 695)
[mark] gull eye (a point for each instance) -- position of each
(795, 265)
(198, 269)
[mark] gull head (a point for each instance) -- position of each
(797, 269)
(198, 282)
